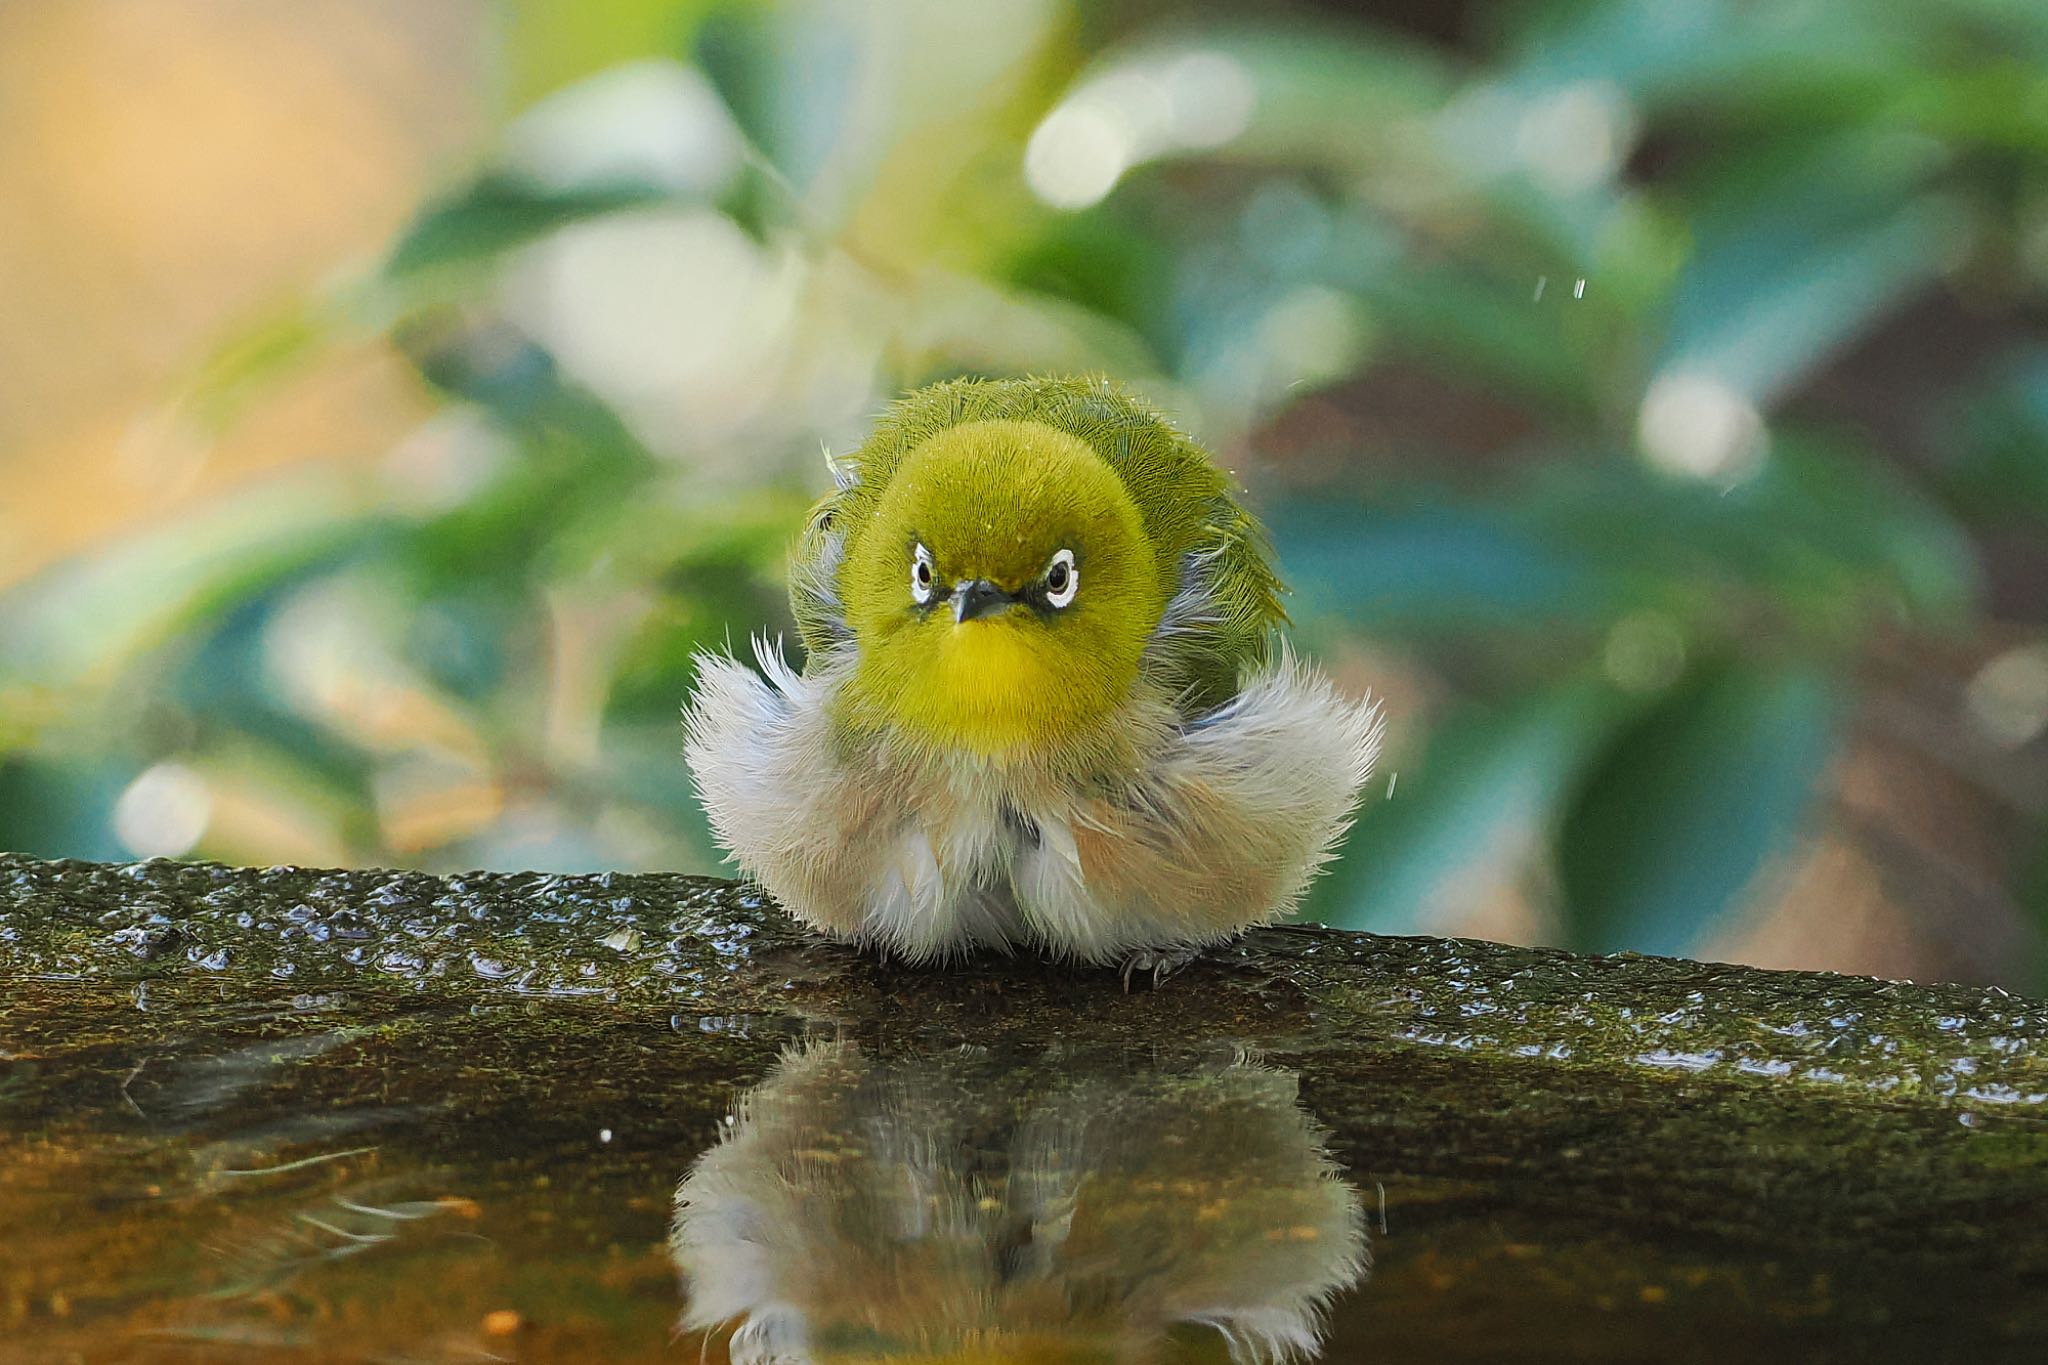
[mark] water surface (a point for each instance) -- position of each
(195, 1170)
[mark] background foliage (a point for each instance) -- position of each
(1648, 396)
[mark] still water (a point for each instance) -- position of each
(186, 1175)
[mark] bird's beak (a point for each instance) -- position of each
(978, 598)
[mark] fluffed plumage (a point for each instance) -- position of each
(966, 758)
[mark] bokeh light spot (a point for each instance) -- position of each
(2008, 698)
(163, 812)
(1701, 427)
(1212, 98)
(1077, 155)
(1191, 101)
(1576, 138)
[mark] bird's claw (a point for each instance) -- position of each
(1161, 962)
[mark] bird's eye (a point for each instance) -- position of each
(1062, 579)
(921, 575)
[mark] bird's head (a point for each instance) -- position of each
(1001, 591)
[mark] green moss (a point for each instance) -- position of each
(717, 949)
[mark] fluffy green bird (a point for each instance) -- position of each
(1045, 702)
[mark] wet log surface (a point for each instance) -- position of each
(717, 947)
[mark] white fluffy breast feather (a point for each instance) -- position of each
(1221, 826)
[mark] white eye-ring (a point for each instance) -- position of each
(1062, 579)
(921, 575)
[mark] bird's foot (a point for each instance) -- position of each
(1161, 962)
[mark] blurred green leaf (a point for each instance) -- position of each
(79, 623)
(1790, 268)
(2001, 102)
(897, 114)
(788, 74)
(502, 533)
(1484, 326)
(710, 565)
(650, 538)
(61, 807)
(2001, 472)
(1823, 536)
(221, 678)
(1430, 567)
(1484, 790)
(1102, 261)
(431, 262)
(655, 669)
(1843, 523)
(1683, 809)
(496, 213)
(259, 355)
(1687, 53)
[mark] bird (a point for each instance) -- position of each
(996, 1205)
(1045, 702)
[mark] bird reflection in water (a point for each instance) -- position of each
(965, 1207)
